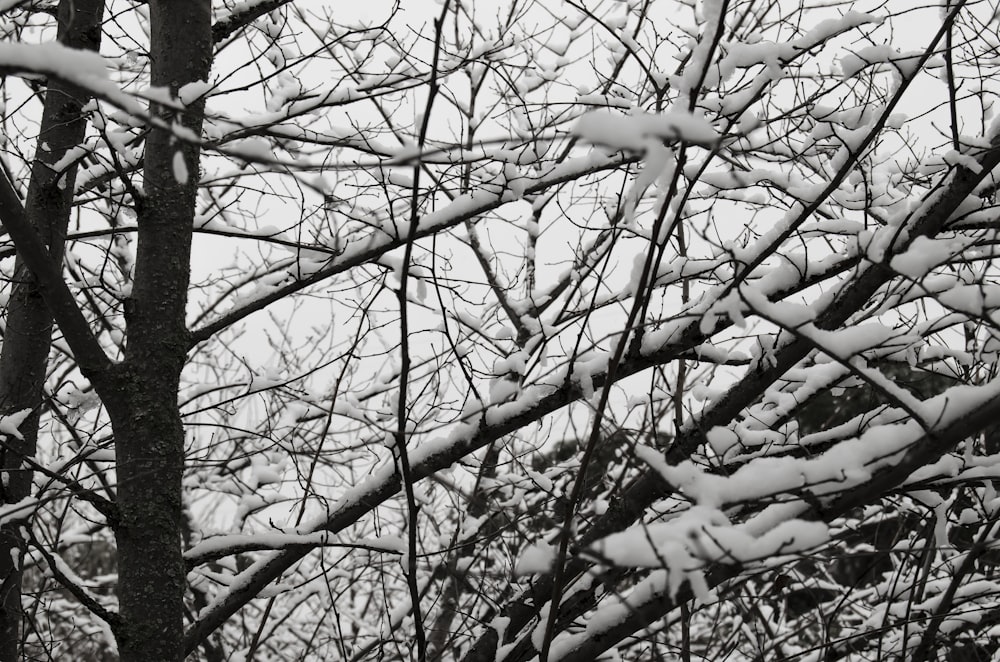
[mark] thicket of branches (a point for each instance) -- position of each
(357, 333)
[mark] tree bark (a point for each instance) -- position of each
(28, 336)
(149, 435)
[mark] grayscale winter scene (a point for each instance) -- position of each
(500, 330)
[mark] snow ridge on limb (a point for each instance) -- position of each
(83, 68)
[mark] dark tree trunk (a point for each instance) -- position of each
(28, 336)
(148, 431)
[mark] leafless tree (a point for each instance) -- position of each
(499, 330)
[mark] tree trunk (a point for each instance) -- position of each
(149, 436)
(28, 336)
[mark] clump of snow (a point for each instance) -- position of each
(535, 559)
(18, 511)
(905, 63)
(922, 255)
(10, 423)
(953, 157)
(632, 132)
(180, 168)
(193, 91)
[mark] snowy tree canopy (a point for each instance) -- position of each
(505, 330)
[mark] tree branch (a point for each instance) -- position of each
(94, 363)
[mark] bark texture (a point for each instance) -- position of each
(149, 434)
